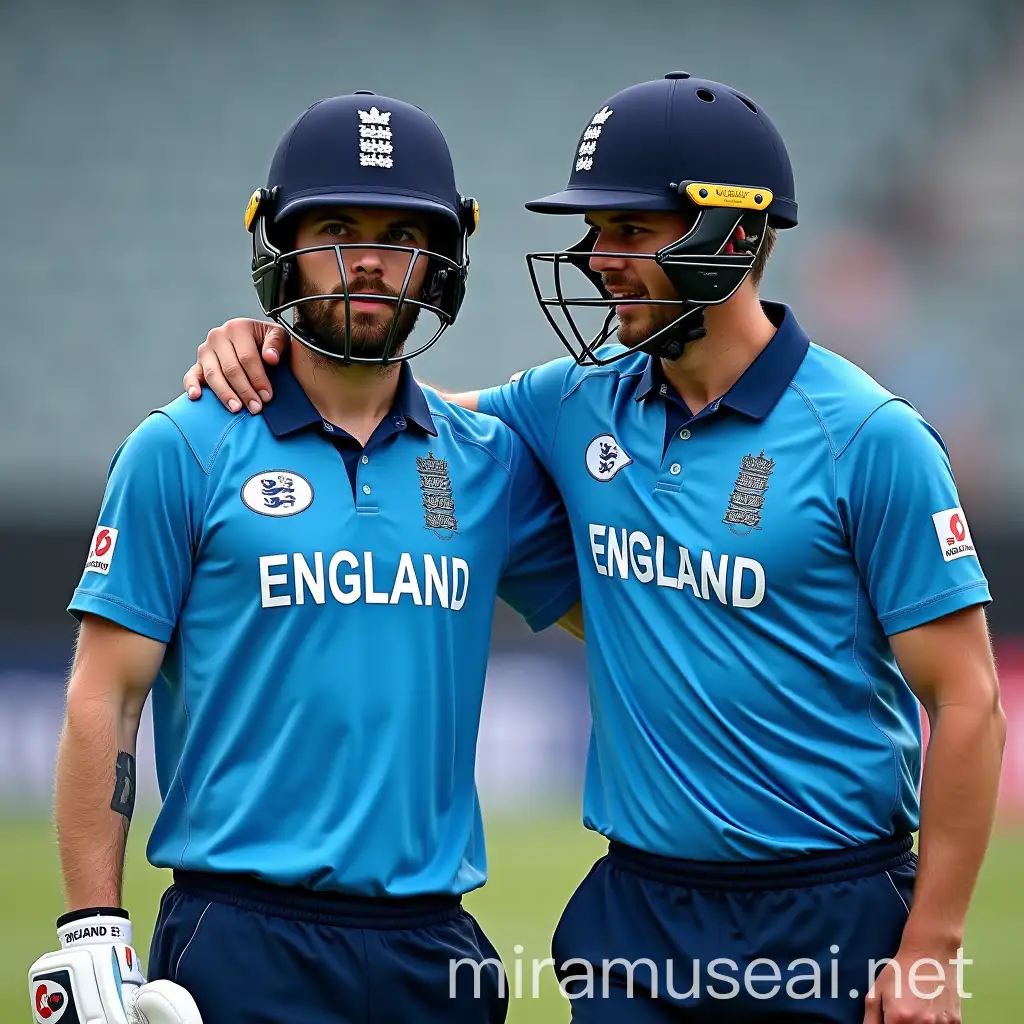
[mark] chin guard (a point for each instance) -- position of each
(672, 343)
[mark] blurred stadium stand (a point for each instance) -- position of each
(134, 133)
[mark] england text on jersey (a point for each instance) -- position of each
(622, 553)
(348, 577)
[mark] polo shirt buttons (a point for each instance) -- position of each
(675, 469)
(365, 459)
(684, 434)
(366, 488)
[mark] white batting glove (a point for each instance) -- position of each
(96, 978)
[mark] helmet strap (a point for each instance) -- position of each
(670, 342)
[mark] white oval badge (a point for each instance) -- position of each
(605, 457)
(277, 492)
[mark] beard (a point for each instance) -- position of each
(324, 319)
(640, 321)
(644, 322)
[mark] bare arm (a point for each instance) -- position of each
(949, 665)
(112, 675)
(467, 399)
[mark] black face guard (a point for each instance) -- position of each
(276, 276)
(695, 265)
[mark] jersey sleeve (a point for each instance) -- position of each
(140, 561)
(909, 535)
(530, 404)
(540, 579)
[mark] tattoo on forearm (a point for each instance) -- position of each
(123, 800)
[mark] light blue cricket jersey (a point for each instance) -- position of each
(317, 711)
(742, 571)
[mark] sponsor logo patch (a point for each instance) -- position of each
(101, 551)
(954, 534)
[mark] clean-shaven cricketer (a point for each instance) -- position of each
(776, 573)
(308, 595)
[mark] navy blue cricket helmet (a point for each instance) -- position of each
(361, 150)
(676, 144)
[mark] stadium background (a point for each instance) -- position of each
(133, 134)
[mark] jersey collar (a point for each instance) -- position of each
(763, 382)
(291, 410)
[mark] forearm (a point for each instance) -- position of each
(91, 834)
(958, 800)
(466, 399)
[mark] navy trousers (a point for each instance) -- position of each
(650, 940)
(252, 953)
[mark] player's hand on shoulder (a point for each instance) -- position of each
(96, 976)
(229, 363)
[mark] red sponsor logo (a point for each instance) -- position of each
(103, 543)
(104, 540)
(957, 529)
(49, 1002)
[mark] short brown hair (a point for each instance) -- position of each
(757, 270)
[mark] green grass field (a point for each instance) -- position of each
(535, 865)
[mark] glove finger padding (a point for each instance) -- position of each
(163, 1002)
